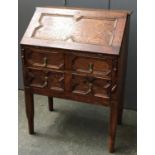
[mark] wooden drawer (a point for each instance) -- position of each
(53, 59)
(90, 65)
(91, 86)
(45, 79)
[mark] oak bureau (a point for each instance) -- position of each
(77, 54)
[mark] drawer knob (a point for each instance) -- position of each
(91, 67)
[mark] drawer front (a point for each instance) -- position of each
(43, 79)
(91, 86)
(96, 66)
(56, 81)
(40, 58)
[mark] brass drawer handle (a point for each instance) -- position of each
(83, 92)
(56, 67)
(89, 70)
(91, 67)
(44, 64)
(113, 88)
(107, 85)
(61, 79)
(44, 85)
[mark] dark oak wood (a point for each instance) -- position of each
(29, 105)
(109, 23)
(122, 66)
(76, 54)
(113, 125)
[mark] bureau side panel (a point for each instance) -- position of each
(121, 64)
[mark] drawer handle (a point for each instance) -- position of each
(107, 85)
(61, 79)
(56, 67)
(44, 64)
(91, 67)
(89, 90)
(83, 92)
(113, 88)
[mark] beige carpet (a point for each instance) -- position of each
(73, 129)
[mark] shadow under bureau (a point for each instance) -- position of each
(77, 54)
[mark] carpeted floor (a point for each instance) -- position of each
(73, 128)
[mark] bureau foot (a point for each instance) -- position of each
(29, 106)
(112, 127)
(50, 103)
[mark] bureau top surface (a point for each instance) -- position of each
(78, 29)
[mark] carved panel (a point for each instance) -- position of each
(56, 81)
(100, 67)
(97, 31)
(45, 79)
(53, 60)
(36, 78)
(91, 86)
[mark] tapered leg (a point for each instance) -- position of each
(120, 114)
(113, 126)
(120, 107)
(29, 106)
(50, 103)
